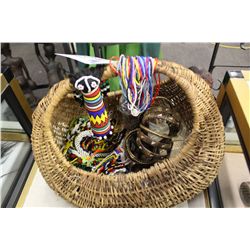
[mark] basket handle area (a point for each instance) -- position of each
(181, 75)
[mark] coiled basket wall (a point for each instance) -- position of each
(166, 183)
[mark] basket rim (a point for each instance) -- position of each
(64, 87)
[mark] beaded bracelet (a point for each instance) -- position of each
(136, 82)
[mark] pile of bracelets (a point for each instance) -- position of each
(91, 144)
(136, 81)
(94, 143)
(85, 151)
(153, 139)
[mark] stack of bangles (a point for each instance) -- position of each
(136, 82)
(147, 144)
(95, 143)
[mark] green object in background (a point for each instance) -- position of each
(131, 49)
(128, 49)
(110, 51)
(82, 49)
(151, 49)
(91, 50)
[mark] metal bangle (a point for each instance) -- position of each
(145, 138)
(147, 152)
(129, 152)
(153, 132)
(164, 98)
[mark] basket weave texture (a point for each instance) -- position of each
(166, 183)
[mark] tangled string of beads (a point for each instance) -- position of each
(136, 82)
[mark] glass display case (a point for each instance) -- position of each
(234, 103)
(16, 154)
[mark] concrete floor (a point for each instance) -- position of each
(187, 54)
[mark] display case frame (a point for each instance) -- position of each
(12, 93)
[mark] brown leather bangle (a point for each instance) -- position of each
(144, 128)
(160, 98)
(172, 122)
(163, 144)
(130, 153)
(149, 153)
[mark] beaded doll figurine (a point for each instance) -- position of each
(93, 102)
(92, 145)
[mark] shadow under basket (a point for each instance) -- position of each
(166, 183)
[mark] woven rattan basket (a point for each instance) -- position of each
(166, 183)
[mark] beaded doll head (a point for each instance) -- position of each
(87, 84)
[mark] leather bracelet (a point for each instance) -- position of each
(163, 144)
(172, 122)
(144, 128)
(162, 98)
(149, 153)
(130, 153)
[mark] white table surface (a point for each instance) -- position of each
(233, 172)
